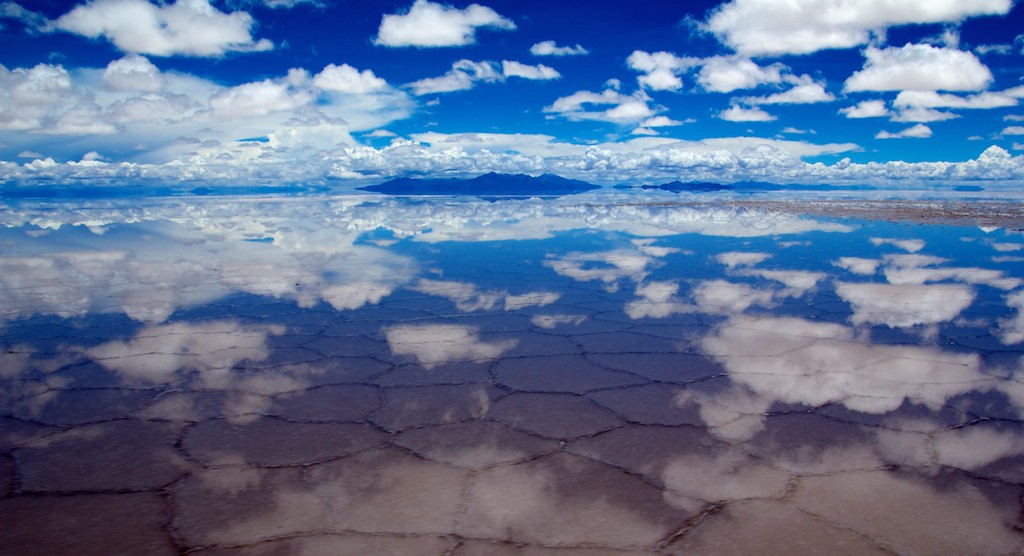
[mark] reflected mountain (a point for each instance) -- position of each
(487, 185)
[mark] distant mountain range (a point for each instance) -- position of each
(546, 185)
(549, 185)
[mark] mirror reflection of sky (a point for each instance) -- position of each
(329, 374)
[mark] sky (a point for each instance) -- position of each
(325, 92)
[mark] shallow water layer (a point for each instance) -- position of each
(397, 376)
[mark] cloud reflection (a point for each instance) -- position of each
(797, 361)
(437, 344)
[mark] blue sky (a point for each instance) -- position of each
(130, 92)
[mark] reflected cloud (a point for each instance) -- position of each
(1011, 329)
(158, 268)
(733, 259)
(908, 245)
(919, 269)
(858, 265)
(468, 298)
(340, 398)
(796, 361)
(904, 305)
(166, 354)
(437, 344)
(553, 321)
(607, 267)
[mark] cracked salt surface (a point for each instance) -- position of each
(528, 377)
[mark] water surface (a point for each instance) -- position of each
(394, 375)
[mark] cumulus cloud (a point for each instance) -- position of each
(724, 74)
(259, 99)
(660, 70)
(133, 73)
(866, 109)
(922, 115)
(640, 160)
(347, 79)
(932, 99)
(919, 131)
(185, 27)
(806, 92)
(919, 67)
(32, 94)
(465, 74)
(549, 48)
(742, 114)
(428, 24)
(539, 72)
(624, 108)
(769, 28)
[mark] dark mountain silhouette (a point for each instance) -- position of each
(546, 185)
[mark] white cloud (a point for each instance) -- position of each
(185, 27)
(347, 79)
(918, 114)
(549, 48)
(932, 99)
(428, 24)
(639, 160)
(724, 74)
(539, 72)
(866, 109)
(660, 69)
(259, 99)
(1012, 130)
(742, 114)
(463, 76)
(805, 92)
(32, 94)
(624, 108)
(34, 21)
(919, 67)
(660, 121)
(133, 73)
(919, 131)
(770, 28)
